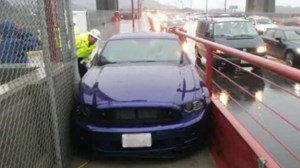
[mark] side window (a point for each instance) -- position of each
(198, 29)
(270, 33)
(279, 34)
(203, 28)
(210, 28)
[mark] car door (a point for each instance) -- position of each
(269, 40)
(208, 35)
(279, 45)
(202, 32)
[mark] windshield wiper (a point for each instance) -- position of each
(106, 62)
(139, 61)
(242, 36)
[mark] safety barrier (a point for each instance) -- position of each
(37, 76)
(229, 143)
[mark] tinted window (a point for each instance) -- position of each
(279, 34)
(203, 28)
(140, 50)
(292, 34)
(234, 28)
(270, 32)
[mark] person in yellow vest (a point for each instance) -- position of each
(85, 44)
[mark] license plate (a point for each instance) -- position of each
(244, 62)
(136, 140)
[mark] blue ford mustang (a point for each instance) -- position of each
(142, 97)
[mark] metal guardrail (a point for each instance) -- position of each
(277, 68)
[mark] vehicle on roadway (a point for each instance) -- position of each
(293, 21)
(229, 31)
(284, 43)
(142, 97)
(175, 23)
(261, 23)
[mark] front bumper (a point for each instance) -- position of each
(166, 143)
(218, 62)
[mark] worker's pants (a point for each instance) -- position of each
(81, 67)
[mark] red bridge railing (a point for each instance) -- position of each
(263, 157)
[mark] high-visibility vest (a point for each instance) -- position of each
(76, 31)
(84, 50)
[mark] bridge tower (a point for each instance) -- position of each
(107, 4)
(260, 6)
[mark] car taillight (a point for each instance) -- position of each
(298, 23)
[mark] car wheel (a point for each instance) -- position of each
(289, 59)
(198, 61)
(197, 53)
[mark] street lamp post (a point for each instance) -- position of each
(206, 7)
(225, 7)
(132, 15)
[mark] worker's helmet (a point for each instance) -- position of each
(95, 33)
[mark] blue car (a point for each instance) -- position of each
(142, 98)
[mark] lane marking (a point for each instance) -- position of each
(83, 165)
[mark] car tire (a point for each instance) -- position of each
(290, 59)
(198, 61)
(197, 53)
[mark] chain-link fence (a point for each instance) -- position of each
(37, 76)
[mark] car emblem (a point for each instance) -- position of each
(245, 49)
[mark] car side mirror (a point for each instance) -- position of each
(278, 39)
(207, 34)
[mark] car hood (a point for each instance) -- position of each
(241, 42)
(140, 84)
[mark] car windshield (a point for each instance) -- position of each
(141, 50)
(264, 21)
(234, 28)
(292, 34)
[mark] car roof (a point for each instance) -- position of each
(285, 28)
(224, 19)
(258, 17)
(145, 35)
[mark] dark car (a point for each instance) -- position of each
(293, 21)
(142, 97)
(237, 33)
(284, 43)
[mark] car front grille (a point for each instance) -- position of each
(248, 50)
(144, 116)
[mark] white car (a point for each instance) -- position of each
(262, 23)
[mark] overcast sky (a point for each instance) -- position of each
(200, 4)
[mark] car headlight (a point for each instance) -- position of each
(84, 111)
(219, 51)
(194, 106)
(298, 50)
(261, 49)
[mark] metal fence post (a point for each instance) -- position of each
(209, 70)
(133, 15)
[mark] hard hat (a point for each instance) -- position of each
(95, 33)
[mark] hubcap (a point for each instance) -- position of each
(289, 60)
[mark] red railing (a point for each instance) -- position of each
(252, 142)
